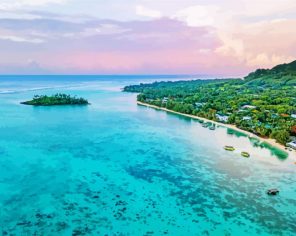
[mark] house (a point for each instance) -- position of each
(248, 107)
(165, 100)
(247, 118)
(293, 116)
(293, 129)
(285, 115)
(199, 104)
(292, 144)
(222, 118)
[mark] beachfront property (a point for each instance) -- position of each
(247, 118)
(292, 144)
(284, 115)
(165, 100)
(248, 107)
(199, 104)
(222, 118)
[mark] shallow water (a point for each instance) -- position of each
(115, 168)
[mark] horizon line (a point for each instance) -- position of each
(177, 75)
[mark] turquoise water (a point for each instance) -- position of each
(115, 168)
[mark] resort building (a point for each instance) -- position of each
(199, 104)
(222, 118)
(285, 115)
(165, 100)
(247, 118)
(292, 144)
(248, 107)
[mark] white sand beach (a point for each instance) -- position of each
(249, 134)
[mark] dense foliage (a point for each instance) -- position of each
(263, 103)
(57, 99)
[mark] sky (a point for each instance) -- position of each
(214, 37)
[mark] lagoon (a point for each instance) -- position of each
(116, 168)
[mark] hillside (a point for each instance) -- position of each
(280, 75)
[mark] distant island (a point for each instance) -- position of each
(263, 103)
(54, 100)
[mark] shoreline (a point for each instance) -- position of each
(270, 141)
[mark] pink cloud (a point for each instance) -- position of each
(159, 46)
(165, 46)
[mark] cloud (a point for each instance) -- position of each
(18, 39)
(144, 11)
(103, 29)
(225, 37)
(197, 15)
(17, 4)
(28, 67)
(18, 15)
(260, 44)
(168, 45)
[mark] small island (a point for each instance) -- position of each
(54, 100)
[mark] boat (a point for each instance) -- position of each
(245, 154)
(229, 148)
(273, 191)
(212, 128)
(205, 125)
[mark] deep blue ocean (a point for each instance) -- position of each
(116, 168)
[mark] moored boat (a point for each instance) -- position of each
(229, 148)
(245, 154)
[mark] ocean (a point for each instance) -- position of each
(116, 168)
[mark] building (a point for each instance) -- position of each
(285, 115)
(199, 104)
(248, 107)
(222, 118)
(293, 116)
(292, 144)
(165, 100)
(247, 118)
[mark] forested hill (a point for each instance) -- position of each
(281, 75)
(264, 102)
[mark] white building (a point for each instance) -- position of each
(293, 116)
(292, 144)
(222, 118)
(199, 104)
(247, 118)
(165, 100)
(248, 107)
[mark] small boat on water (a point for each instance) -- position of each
(212, 128)
(245, 154)
(229, 148)
(205, 125)
(273, 191)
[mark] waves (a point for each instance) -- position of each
(27, 89)
(22, 90)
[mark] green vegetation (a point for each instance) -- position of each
(57, 99)
(264, 102)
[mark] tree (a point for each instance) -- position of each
(281, 136)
